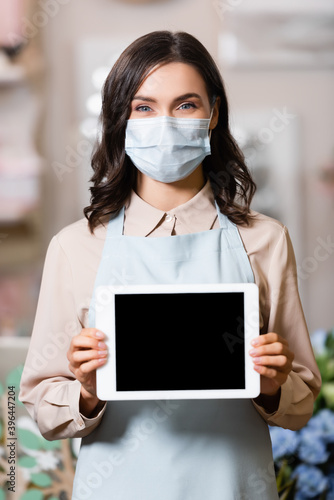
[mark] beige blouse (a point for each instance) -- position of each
(48, 388)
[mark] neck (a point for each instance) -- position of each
(168, 196)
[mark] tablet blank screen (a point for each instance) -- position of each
(182, 341)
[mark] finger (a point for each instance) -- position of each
(271, 373)
(92, 332)
(85, 370)
(269, 338)
(281, 363)
(92, 365)
(86, 342)
(79, 357)
(79, 353)
(272, 349)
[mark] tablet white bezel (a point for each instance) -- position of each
(105, 321)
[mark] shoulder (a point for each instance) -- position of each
(76, 239)
(262, 228)
(260, 221)
(80, 230)
(266, 238)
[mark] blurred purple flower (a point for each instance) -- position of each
(312, 448)
(284, 442)
(310, 481)
(323, 422)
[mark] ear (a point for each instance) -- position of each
(215, 114)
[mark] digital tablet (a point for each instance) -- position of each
(178, 341)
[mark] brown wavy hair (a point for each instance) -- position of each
(115, 175)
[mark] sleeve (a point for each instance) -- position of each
(285, 317)
(48, 389)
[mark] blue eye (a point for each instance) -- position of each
(187, 105)
(143, 108)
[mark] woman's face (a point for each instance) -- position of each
(175, 89)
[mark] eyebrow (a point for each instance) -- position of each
(183, 97)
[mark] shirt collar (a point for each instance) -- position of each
(197, 214)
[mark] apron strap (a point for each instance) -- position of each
(115, 225)
(224, 221)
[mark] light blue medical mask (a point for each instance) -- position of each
(167, 149)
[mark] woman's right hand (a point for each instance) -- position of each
(86, 353)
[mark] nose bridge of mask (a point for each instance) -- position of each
(168, 134)
(178, 132)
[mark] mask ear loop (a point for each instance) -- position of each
(211, 115)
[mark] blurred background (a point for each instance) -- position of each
(277, 61)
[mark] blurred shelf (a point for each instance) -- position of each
(12, 342)
(19, 196)
(21, 168)
(10, 73)
(20, 242)
(291, 39)
(13, 75)
(297, 6)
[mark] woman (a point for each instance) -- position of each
(158, 197)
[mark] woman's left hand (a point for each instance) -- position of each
(272, 360)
